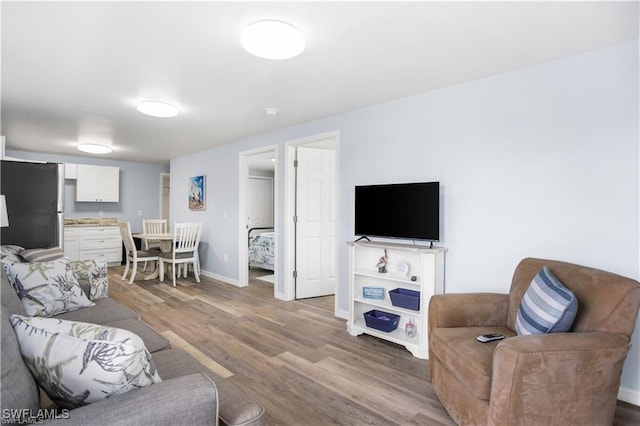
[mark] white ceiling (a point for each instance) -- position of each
(74, 71)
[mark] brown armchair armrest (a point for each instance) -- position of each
(468, 310)
(565, 376)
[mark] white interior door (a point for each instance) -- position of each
(316, 223)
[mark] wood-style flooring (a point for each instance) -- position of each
(295, 357)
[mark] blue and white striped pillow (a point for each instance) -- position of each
(547, 306)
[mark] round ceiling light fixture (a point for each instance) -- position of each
(271, 111)
(272, 39)
(157, 109)
(94, 148)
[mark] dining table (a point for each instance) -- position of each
(166, 240)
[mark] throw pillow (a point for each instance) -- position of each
(92, 274)
(46, 288)
(9, 253)
(78, 363)
(42, 254)
(547, 306)
(10, 248)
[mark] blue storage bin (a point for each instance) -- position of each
(405, 298)
(380, 320)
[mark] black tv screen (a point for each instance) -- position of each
(406, 210)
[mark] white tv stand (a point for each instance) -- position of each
(426, 264)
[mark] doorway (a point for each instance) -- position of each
(257, 195)
(165, 195)
(311, 203)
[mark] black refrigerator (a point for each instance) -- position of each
(34, 193)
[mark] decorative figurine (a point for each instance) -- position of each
(410, 329)
(382, 263)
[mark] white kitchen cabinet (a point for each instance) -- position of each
(71, 244)
(70, 171)
(93, 243)
(97, 183)
(409, 267)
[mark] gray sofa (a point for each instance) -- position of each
(188, 394)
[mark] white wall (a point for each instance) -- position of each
(540, 162)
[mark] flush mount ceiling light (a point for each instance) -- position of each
(94, 148)
(271, 39)
(157, 109)
(271, 111)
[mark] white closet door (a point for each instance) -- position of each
(259, 202)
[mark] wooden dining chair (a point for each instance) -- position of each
(152, 226)
(186, 238)
(133, 254)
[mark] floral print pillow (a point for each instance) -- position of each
(46, 288)
(9, 254)
(92, 273)
(78, 363)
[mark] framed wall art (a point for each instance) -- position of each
(197, 191)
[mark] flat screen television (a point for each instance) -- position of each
(404, 210)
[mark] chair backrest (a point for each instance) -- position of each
(127, 238)
(154, 226)
(606, 301)
(186, 237)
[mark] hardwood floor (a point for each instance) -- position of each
(296, 358)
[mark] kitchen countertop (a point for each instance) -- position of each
(92, 221)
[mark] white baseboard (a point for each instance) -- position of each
(222, 278)
(342, 314)
(629, 395)
(227, 280)
(281, 296)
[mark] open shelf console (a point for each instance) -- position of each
(408, 267)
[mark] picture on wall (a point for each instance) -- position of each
(197, 193)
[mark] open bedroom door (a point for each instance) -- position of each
(315, 222)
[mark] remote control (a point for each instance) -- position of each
(489, 337)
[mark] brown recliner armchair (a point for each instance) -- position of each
(543, 379)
